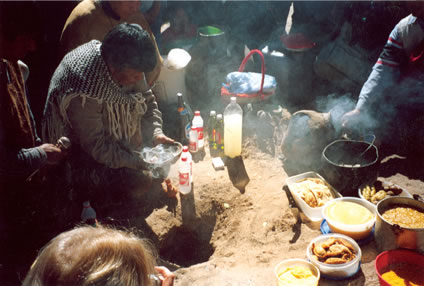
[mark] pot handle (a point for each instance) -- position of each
(396, 229)
(418, 197)
(243, 64)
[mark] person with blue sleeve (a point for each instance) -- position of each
(392, 97)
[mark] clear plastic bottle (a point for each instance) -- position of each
(233, 120)
(184, 174)
(198, 124)
(219, 135)
(212, 133)
(184, 120)
(88, 214)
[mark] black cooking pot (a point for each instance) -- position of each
(347, 164)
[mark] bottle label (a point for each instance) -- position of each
(192, 146)
(184, 112)
(184, 179)
(199, 133)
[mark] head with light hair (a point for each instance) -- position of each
(93, 256)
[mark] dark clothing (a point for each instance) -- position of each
(18, 138)
(20, 201)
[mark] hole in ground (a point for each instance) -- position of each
(189, 245)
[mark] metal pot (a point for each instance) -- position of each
(391, 236)
(214, 39)
(347, 164)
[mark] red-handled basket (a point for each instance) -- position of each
(243, 98)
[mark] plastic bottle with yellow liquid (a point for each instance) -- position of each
(233, 120)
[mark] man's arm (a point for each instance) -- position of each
(386, 70)
(88, 126)
(152, 119)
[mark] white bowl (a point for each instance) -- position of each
(336, 271)
(404, 192)
(295, 262)
(313, 214)
(355, 231)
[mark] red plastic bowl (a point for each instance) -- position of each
(386, 258)
(297, 42)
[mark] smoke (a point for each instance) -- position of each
(337, 105)
(159, 159)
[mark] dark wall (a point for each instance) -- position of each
(43, 61)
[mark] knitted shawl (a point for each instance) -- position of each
(84, 73)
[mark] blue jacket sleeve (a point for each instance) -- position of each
(386, 70)
(19, 163)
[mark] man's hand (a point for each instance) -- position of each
(54, 154)
(162, 139)
(168, 276)
(350, 119)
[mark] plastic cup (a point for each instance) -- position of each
(295, 262)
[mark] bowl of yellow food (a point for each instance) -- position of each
(296, 272)
(351, 216)
(337, 256)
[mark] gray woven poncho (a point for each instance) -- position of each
(84, 73)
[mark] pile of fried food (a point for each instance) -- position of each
(333, 251)
(313, 191)
(378, 192)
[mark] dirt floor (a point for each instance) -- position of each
(220, 235)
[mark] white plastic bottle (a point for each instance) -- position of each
(190, 161)
(198, 124)
(233, 120)
(184, 174)
(193, 144)
(88, 214)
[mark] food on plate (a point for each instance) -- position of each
(348, 213)
(403, 274)
(313, 191)
(378, 192)
(333, 251)
(404, 216)
(296, 275)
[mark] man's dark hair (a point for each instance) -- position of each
(129, 46)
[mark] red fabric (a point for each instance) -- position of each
(225, 92)
(396, 42)
(296, 42)
(381, 62)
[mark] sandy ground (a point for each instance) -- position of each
(227, 237)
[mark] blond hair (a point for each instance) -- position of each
(93, 256)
